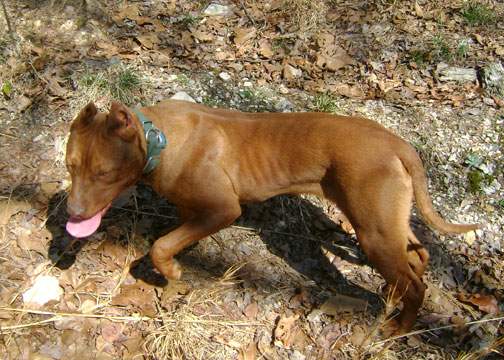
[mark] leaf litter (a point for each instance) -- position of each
(378, 60)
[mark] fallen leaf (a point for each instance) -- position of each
(140, 295)
(221, 339)
(265, 48)
(486, 303)
(359, 336)
(291, 73)
(113, 332)
(479, 39)
(128, 12)
(328, 336)
(107, 49)
(288, 332)
(21, 104)
(149, 41)
(251, 310)
(9, 208)
(203, 35)
(87, 306)
(350, 91)
(242, 35)
(248, 353)
(418, 10)
(28, 241)
(342, 303)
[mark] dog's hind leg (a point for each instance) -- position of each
(378, 206)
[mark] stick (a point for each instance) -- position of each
(7, 19)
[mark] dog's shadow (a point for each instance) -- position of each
(289, 226)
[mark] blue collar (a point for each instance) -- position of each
(156, 141)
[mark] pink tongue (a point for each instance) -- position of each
(83, 228)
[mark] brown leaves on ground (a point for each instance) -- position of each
(289, 333)
(485, 303)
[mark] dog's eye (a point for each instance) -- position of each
(103, 173)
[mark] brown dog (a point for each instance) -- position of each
(216, 159)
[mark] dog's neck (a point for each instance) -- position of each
(154, 142)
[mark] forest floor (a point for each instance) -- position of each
(287, 280)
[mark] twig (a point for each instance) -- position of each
(8, 135)
(438, 328)
(59, 316)
(7, 19)
(246, 13)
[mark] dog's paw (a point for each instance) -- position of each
(172, 270)
(391, 328)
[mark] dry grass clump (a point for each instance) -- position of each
(306, 15)
(197, 327)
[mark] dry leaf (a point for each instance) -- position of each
(342, 303)
(251, 310)
(242, 35)
(486, 303)
(140, 295)
(148, 40)
(328, 336)
(11, 207)
(351, 91)
(291, 73)
(225, 341)
(203, 35)
(248, 353)
(107, 49)
(113, 332)
(359, 336)
(418, 10)
(265, 48)
(289, 333)
(27, 241)
(130, 12)
(479, 39)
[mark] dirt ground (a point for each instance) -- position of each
(287, 280)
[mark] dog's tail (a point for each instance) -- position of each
(414, 166)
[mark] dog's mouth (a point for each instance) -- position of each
(80, 228)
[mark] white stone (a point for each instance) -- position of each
(247, 84)
(45, 288)
(283, 89)
(218, 10)
(225, 76)
(181, 95)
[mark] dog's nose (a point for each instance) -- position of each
(75, 210)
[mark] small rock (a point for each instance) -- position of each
(283, 89)
(284, 105)
(46, 288)
(492, 77)
(296, 355)
(218, 10)
(247, 84)
(470, 237)
(181, 95)
(452, 73)
(225, 76)
(290, 72)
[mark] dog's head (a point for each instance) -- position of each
(104, 156)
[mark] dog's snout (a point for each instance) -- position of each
(74, 209)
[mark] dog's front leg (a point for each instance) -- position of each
(196, 226)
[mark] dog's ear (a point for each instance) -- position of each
(120, 121)
(85, 117)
